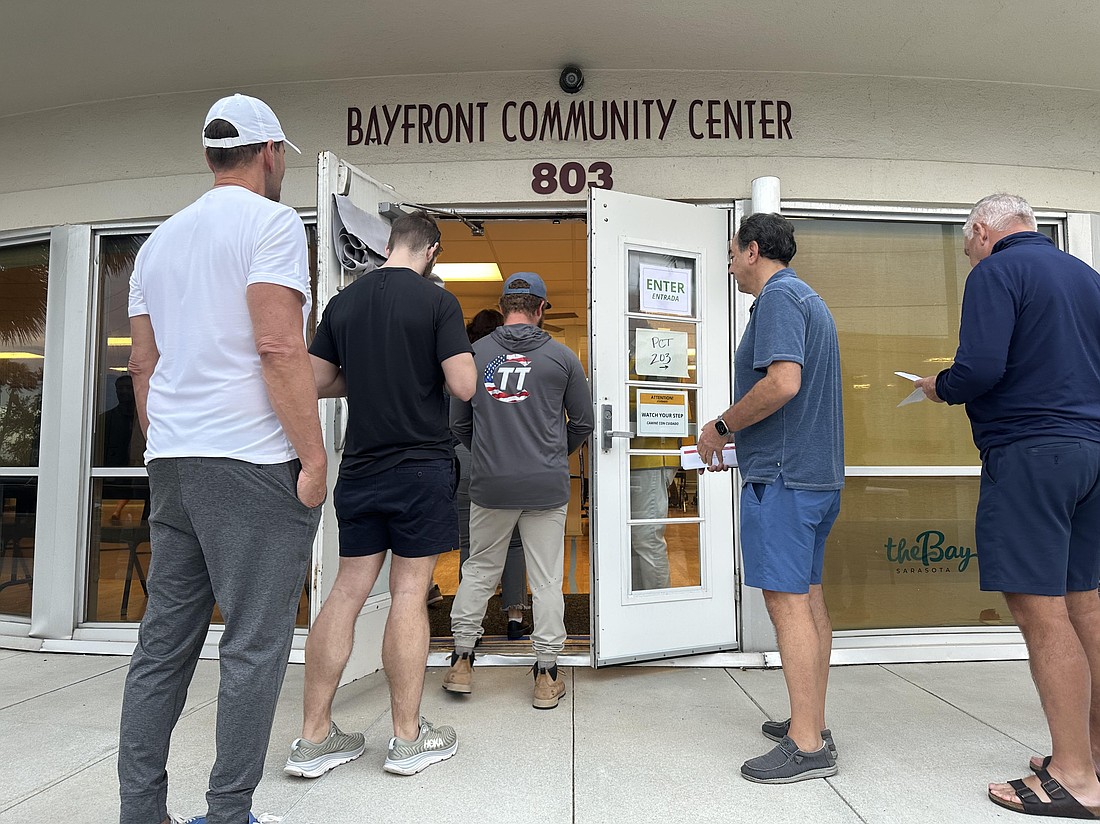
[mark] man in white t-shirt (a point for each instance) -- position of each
(225, 395)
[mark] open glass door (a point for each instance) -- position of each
(360, 198)
(663, 551)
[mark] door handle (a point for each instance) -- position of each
(606, 432)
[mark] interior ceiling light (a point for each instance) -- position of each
(19, 356)
(120, 341)
(468, 271)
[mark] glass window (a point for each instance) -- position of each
(118, 558)
(18, 510)
(23, 275)
(117, 438)
(895, 290)
(902, 554)
(661, 284)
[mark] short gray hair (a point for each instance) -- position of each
(998, 212)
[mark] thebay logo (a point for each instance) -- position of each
(928, 553)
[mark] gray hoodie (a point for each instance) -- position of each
(515, 425)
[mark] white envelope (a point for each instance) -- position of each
(689, 457)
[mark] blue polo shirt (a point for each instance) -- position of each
(1028, 362)
(804, 439)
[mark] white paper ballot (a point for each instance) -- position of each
(689, 457)
(916, 395)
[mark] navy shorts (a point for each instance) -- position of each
(1038, 522)
(783, 534)
(409, 509)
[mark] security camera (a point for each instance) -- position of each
(571, 80)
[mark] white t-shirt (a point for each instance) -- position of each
(207, 396)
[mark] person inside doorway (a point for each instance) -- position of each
(513, 581)
(533, 410)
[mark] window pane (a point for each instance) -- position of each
(18, 507)
(23, 275)
(895, 290)
(666, 554)
(660, 284)
(902, 554)
(661, 350)
(118, 557)
(120, 553)
(117, 438)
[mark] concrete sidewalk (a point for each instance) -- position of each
(918, 743)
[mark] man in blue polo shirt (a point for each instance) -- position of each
(1028, 370)
(788, 421)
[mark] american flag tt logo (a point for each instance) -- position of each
(507, 366)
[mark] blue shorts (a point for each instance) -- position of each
(409, 509)
(1038, 522)
(783, 534)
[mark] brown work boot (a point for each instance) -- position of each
(460, 677)
(549, 687)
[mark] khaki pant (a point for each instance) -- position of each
(543, 533)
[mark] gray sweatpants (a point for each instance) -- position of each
(235, 533)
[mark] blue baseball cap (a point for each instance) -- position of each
(534, 286)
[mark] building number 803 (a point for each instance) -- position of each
(571, 178)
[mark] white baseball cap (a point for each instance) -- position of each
(252, 118)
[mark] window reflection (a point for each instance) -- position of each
(895, 290)
(119, 548)
(23, 276)
(903, 554)
(117, 437)
(18, 515)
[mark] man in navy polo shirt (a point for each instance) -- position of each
(1028, 370)
(790, 448)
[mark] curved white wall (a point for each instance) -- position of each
(853, 138)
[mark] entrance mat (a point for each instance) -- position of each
(577, 614)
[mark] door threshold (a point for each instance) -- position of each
(498, 651)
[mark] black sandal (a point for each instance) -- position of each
(1061, 803)
(1045, 765)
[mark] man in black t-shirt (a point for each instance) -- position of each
(392, 342)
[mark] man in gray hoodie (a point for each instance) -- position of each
(532, 409)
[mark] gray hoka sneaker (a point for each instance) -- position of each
(310, 760)
(777, 730)
(434, 744)
(786, 763)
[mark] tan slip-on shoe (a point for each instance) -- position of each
(549, 687)
(460, 677)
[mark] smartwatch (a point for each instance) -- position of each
(720, 426)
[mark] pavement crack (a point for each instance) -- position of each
(65, 686)
(573, 739)
(965, 712)
(748, 695)
(39, 790)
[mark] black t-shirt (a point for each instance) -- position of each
(389, 331)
